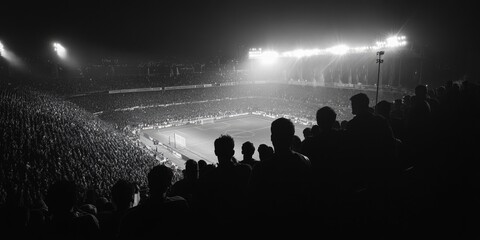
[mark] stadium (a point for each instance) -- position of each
(361, 134)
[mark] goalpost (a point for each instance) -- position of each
(178, 141)
(207, 120)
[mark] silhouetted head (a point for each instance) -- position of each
(248, 149)
(61, 196)
(421, 92)
(224, 148)
(264, 152)
(307, 132)
(360, 103)
(202, 164)
(159, 180)
(191, 169)
(326, 117)
(123, 193)
(383, 109)
(282, 132)
(315, 130)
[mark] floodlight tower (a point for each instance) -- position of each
(2, 50)
(379, 61)
(2, 55)
(5, 61)
(62, 56)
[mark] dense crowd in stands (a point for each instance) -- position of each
(156, 108)
(45, 138)
(395, 168)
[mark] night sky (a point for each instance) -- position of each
(211, 28)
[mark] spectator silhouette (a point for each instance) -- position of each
(202, 167)
(418, 126)
(384, 109)
(307, 132)
(368, 131)
(65, 222)
(419, 115)
(327, 138)
(315, 130)
(222, 191)
(280, 187)
(248, 149)
(123, 198)
(187, 186)
(371, 146)
(158, 211)
(264, 152)
(323, 151)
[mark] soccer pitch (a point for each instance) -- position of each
(200, 138)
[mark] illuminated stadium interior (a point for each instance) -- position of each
(355, 117)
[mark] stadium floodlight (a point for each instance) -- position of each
(360, 49)
(2, 50)
(338, 50)
(11, 58)
(395, 41)
(268, 57)
(254, 53)
(60, 50)
(299, 53)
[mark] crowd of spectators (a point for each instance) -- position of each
(45, 138)
(162, 107)
(400, 167)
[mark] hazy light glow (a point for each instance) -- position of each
(60, 50)
(254, 53)
(395, 41)
(269, 57)
(390, 42)
(338, 50)
(265, 57)
(299, 53)
(2, 50)
(11, 58)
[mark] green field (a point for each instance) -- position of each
(200, 138)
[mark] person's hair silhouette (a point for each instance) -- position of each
(224, 149)
(360, 103)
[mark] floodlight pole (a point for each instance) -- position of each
(379, 61)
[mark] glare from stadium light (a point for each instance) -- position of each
(394, 41)
(254, 53)
(11, 58)
(268, 57)
(338, 50)
(299, 53)
(360, 49)
(2, 50)
(60, 50)
(391, 42)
